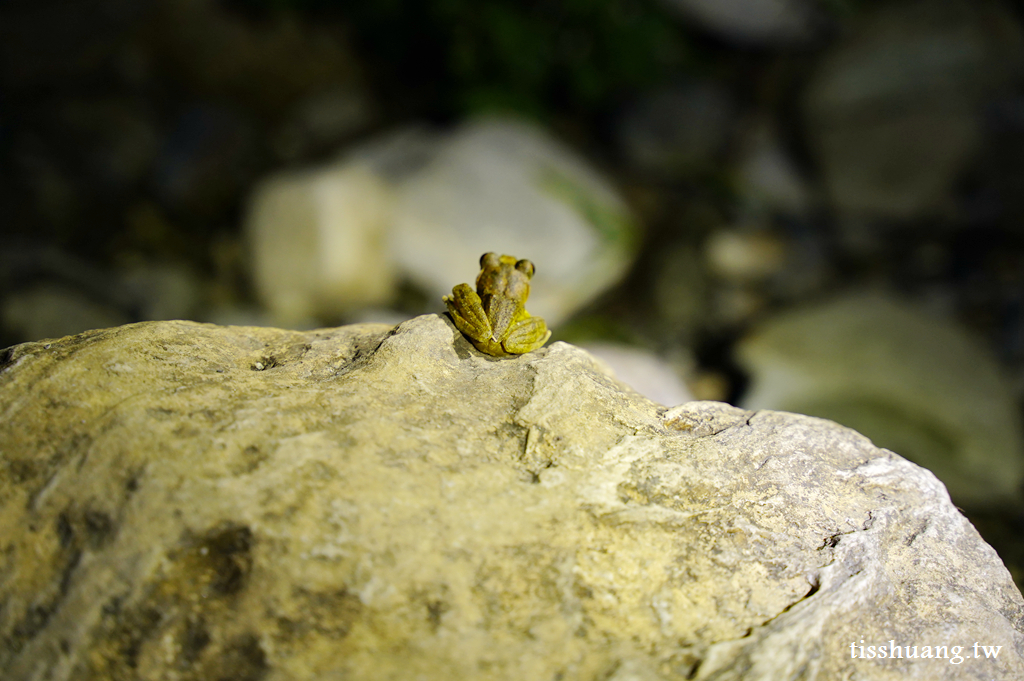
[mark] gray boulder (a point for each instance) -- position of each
(186, 501)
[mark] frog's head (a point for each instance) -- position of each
(504, 276)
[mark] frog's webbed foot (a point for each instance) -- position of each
(526, 335)
(467, 311)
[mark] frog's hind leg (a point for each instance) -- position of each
(467, 311)
(501, 312)
(526, 335)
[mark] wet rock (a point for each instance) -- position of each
(179, 499)
(916, 385)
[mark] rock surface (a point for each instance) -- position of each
(187, 501)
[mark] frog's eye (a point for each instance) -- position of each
(526, 267)
(489, 259)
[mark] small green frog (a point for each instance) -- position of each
(493, 317)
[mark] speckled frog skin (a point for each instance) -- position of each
(494, 317)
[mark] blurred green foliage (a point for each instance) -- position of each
(451, 57)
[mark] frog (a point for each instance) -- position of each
(494, 318)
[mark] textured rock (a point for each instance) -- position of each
(194, 502)
(652, 376)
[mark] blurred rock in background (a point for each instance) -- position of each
(329, 242)
(645, 372)
(507, 186)
(319, 241)
(754, 21)
(913, 384)
(894, 109)
(677, 130)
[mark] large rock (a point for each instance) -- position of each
(193, 502)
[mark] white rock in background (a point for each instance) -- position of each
(753, 21)
(398, 155)
(319, 242)
(331, 241)
(645, 372)
(893, 112)
(504, 185)
(914, 384)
